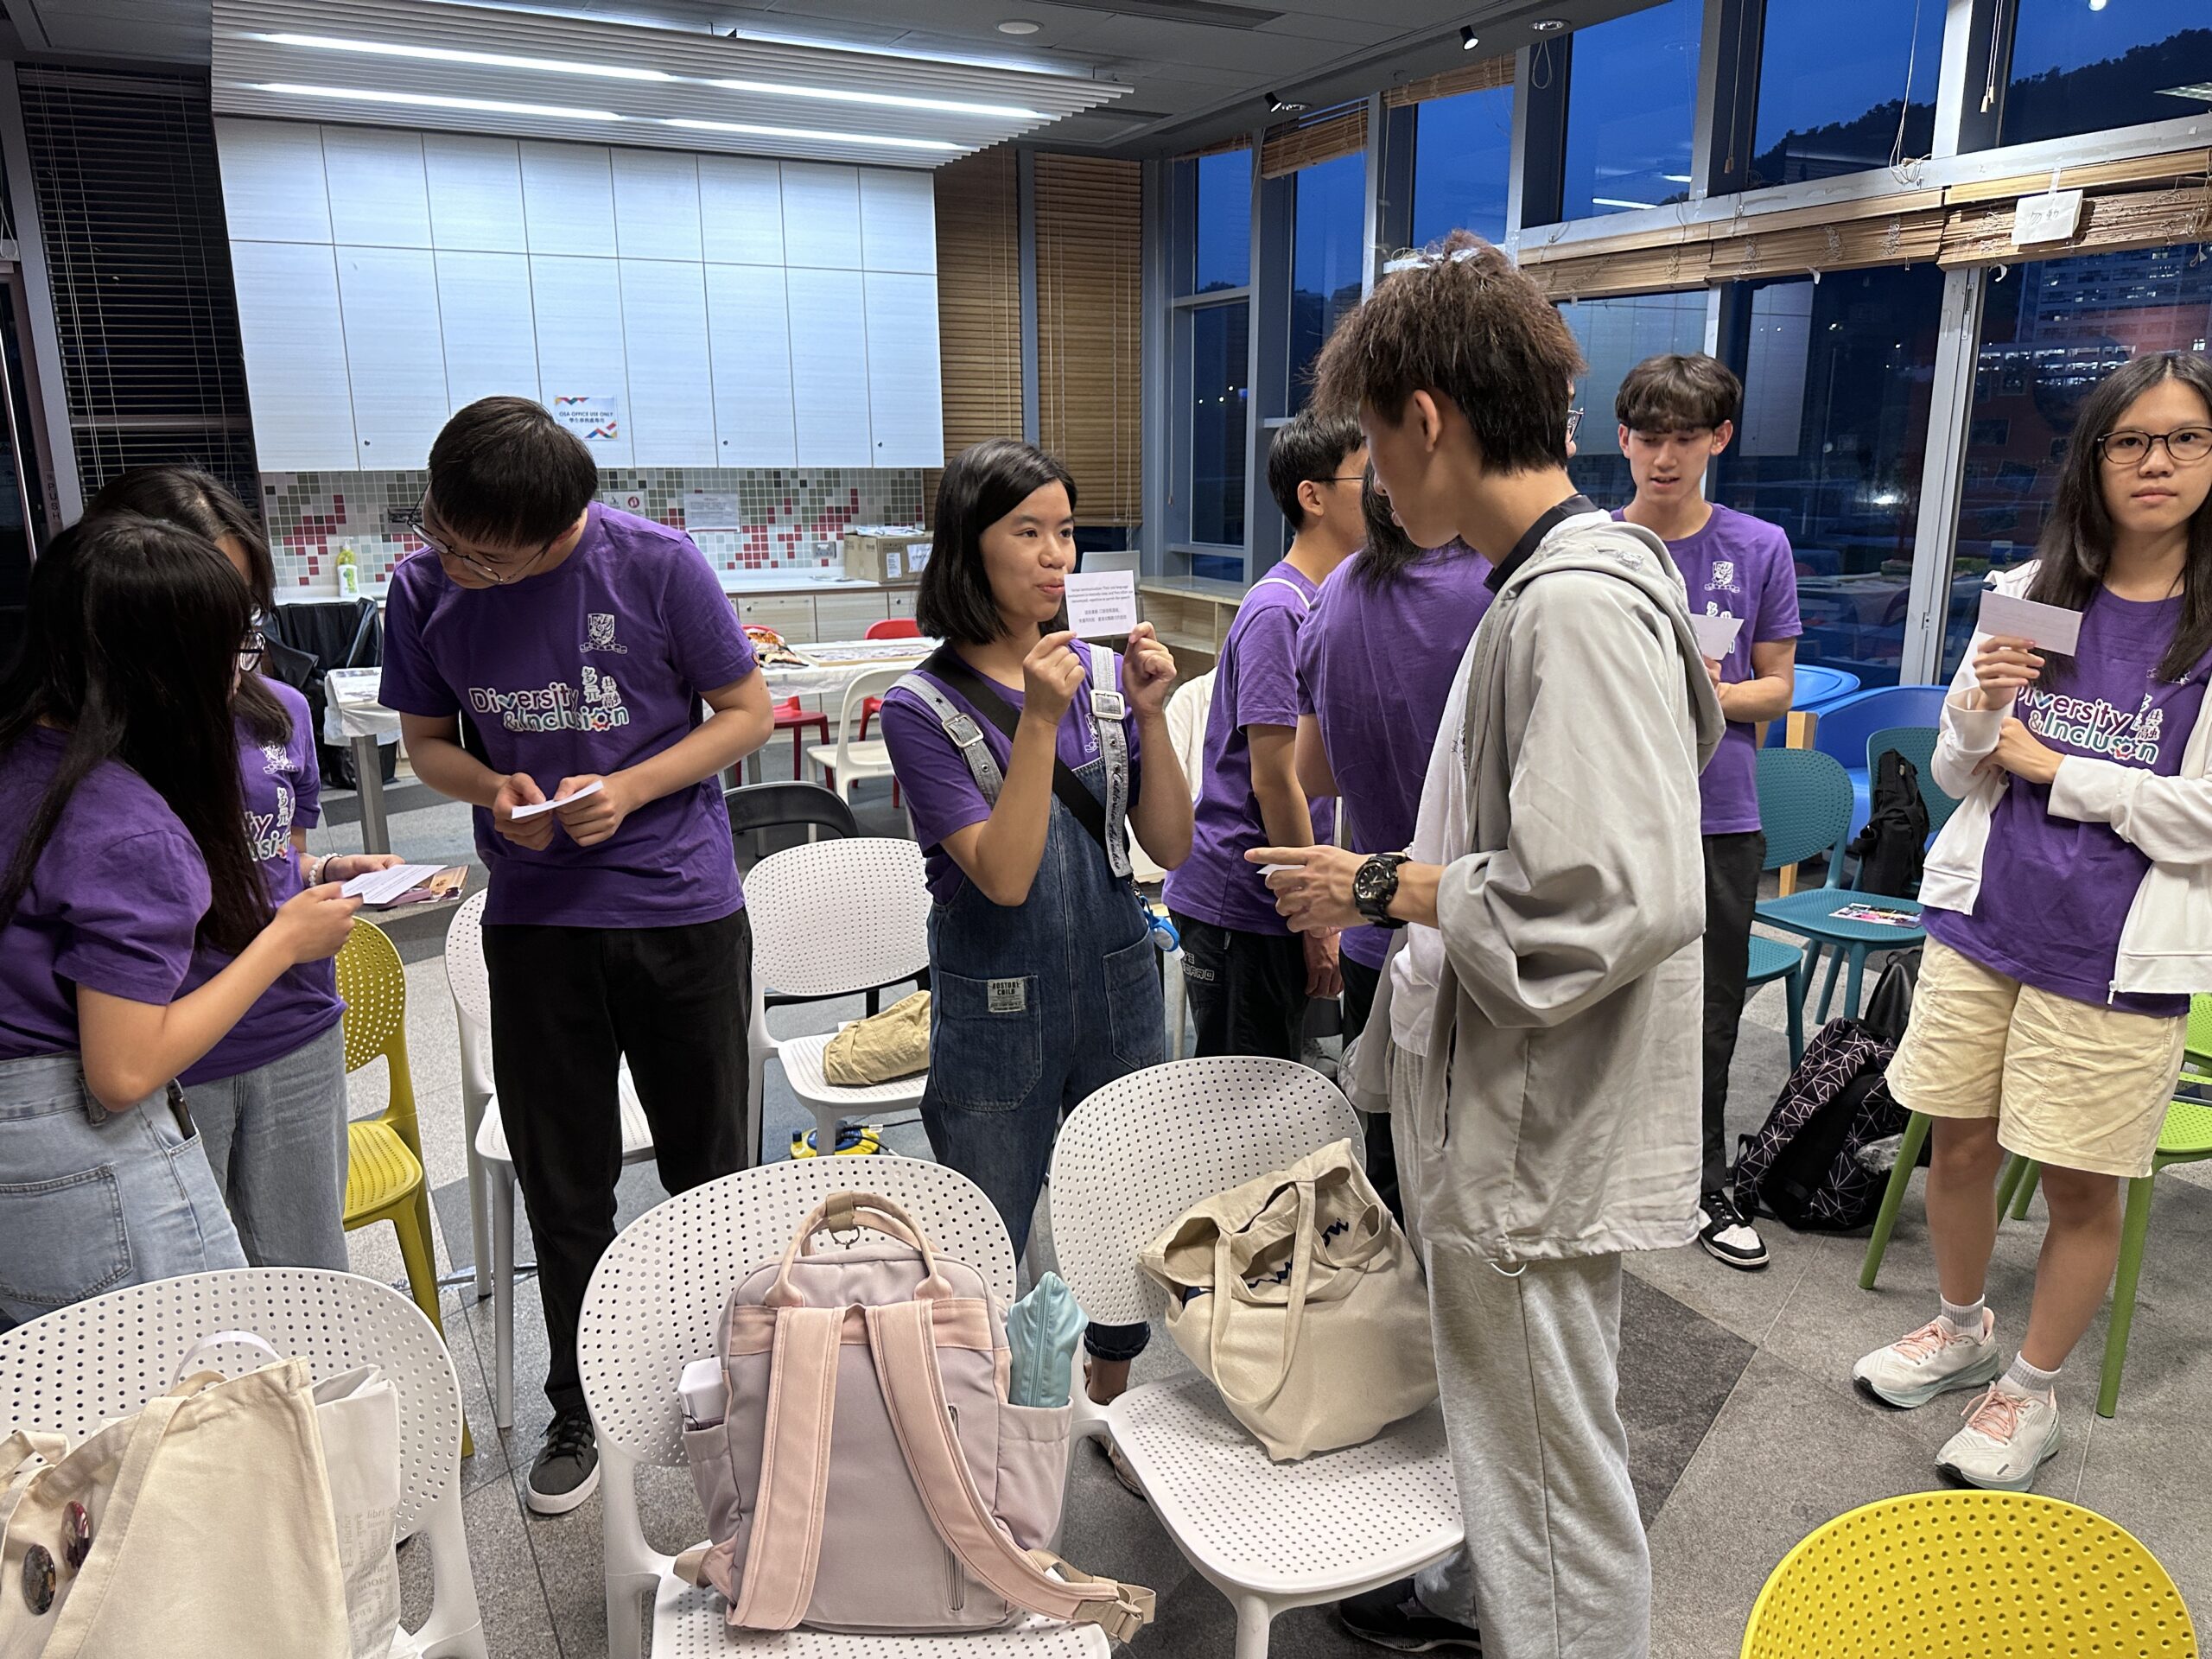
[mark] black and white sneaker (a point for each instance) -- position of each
(1727, 1233)
(1394, 1618)
(567, 1470)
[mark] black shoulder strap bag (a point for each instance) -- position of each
(1090, 811)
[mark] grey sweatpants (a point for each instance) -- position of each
(1556, 1565)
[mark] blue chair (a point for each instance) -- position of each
(1805, 805)
(1918, 745)
(1846, 726)
(1819, 689)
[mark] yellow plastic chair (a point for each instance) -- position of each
(384, 1155)
(1970, 1575)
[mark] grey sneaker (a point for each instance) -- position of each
(567, 1470)
(1394, 1618)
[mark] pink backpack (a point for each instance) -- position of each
(869, 1474)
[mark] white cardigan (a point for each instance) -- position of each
(2165, 948)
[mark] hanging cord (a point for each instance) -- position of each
(1903, 171)
(1996, 47)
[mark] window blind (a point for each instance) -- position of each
(1306, 143)
(1481, 76)
(1089, 228)
(978, 303)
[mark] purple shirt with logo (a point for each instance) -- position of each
(1375, 666)
(112, 903)
(1741, 567)
(593, 667)
(283, 791)
(941, 796)
(2055, 893)
(1254, 684)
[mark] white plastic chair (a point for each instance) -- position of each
(830, 918)
(1187, 707)
(491, 1166)
(653, 1304)
(76, 1367)
(1269, 1536)
(851, 759)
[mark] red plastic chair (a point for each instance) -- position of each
(794, 718)
(892, 628)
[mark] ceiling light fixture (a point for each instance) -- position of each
(809, 133)
(1281, 105)
(1018, 26)
(884, 100)
(1467, 41)
(448, 55)
(433, 101)
(1548, 25)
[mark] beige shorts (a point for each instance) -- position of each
(2069, 1084)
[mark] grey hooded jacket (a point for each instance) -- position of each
(1559, 1115)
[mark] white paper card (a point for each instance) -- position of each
(1716, 635)
(382, 887)
(1102, 603)
(547, 806)
(2050, 627)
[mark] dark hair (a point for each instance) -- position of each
(189, 499)
(2075, 547)
(132, 633)
(1460, 322)
(504, 473)
(984, 483)
(1678, 391)
(1308, 450)
(1389, 551)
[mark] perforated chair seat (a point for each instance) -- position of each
(866, 757)
(380, 1170)
(1770, 959)
(1812, 912)
(637, 1133)
(802, 1061)
(688, 1624)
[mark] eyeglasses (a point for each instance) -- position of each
(1573, 423)
(2185, 446)
(251, 649)
(498, 574)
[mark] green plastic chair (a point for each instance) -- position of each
(1918, 745)
(2185, 1139)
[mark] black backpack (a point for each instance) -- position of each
(1890, 848)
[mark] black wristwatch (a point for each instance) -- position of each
(1374, 885)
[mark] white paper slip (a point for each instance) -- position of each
(547, 806)
(382, 887)
(1102, 603)
(1716, 635)
(2050, 627)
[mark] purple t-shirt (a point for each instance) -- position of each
(942, 797)
(1375, 666)
(1254, 684)
(1742, 567)
(283, 791)
(595, 666)
(113, 902)
(2055, 893)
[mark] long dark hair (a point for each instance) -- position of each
(1390, 551)
(189, 497)
(2075, 547)
(132, 633)
(984, 483)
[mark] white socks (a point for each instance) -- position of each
(2025, 1380)
(1964, 1318)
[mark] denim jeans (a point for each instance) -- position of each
(276, 1138)
(88, 1206)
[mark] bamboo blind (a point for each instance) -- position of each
(1474, 78)
(1982, 233)
(1290, 147)
(1089, 224)
(978, 303)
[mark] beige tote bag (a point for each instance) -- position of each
(883, 1046)
(1297, 1294)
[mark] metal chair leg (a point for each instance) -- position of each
(2134, 1231)
(1915, 1136)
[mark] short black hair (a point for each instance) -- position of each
(984, 483)
(1308, 451)
(1678, 391)
(504, 473)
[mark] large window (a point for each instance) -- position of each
(1221, 245)
(1219, 402)
(1615, 336)
(1326, 262)
(2079, 65)
(2050, 332)
(1462, 151)
(1213, 256)
(1630, 98)
(1836, 376)
(1843, 89)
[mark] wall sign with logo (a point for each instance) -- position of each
(596, 417)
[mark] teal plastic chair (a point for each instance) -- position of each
(1918, 745)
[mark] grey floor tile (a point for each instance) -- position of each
(510, 1596)
(1677, 1371)
(2131, 1472)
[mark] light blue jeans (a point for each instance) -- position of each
(276, 1138)
(92, 1200)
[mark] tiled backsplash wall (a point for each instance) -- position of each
(790, 518)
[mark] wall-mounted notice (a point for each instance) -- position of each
(596, 417)
(710, 509)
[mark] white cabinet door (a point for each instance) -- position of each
(394, 352)
(905, 398)
(475, 188)
(848, 616)
(568, 196)
(490, 342)
(655, 203)
(671, 388)
(821, 215)
(273, 188)
(898, 219)
(790, 616)
(294, 341)
(742, 210)
(749, 331)
(830, 369)
(579, 315)
(377, 196)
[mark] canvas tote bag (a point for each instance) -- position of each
(1301, 1300)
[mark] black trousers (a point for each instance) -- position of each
(1247, 991)
(568, 1005)
(1361, 983)
(1731, 889)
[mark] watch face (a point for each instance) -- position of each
(1372, 882)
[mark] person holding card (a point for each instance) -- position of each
(1248, 975)
(542, 644)
(2068, 907)
(270, 1099)
(1676, 413)
(1024, 753)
